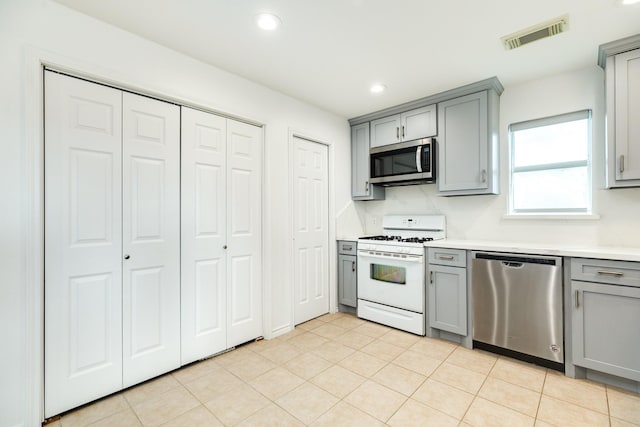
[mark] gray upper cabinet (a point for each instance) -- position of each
(360, 187)
(468, 145)
(407, 126)
(621, 61)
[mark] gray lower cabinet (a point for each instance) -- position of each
(360, 187)
(468, 145)
(347, 273)
(606, 317)
(447, 290)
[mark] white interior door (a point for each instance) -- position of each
(83, 242)
(311, 232)
(244, 234)
(151, 238)
(204, 142)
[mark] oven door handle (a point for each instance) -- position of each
(390, 257)
(419, 158)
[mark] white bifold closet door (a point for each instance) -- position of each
(221, 233)
(111, 192)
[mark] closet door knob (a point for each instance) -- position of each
(127, 256)
(224, 247)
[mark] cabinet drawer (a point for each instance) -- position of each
(452, 257)
(603, 271)
(347, 247)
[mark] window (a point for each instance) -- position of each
(551, 165)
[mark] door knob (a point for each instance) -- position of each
(127, 256)
(224, 247)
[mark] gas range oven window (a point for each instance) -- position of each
(389, 273)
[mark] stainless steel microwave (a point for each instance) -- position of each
(405, 163)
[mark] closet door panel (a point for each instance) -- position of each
(203, 222)
(83, 329)
(244, 253)
(151, 238)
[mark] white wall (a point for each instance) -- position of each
(481, 217)
(32, 29)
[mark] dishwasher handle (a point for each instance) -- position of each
(512, 264)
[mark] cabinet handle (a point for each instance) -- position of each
(402, 131)
(397, 132)
(577, 298)
(127, 256)
(366, 186)
(611, 273)
(483, 175)
(353, 266)
(446, 257)
(431, 277)
(347, 247)
(621, 163)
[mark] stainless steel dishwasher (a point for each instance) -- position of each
(517, 306)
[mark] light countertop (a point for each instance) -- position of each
(601, 252)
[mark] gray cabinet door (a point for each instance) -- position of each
(385, 131)
(360, 187)
(605, 321)
(627, 111)
(448, 299)
(419, 123)
(347, 280)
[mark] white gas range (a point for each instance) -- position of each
(391, 271)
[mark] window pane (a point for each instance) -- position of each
(562, 142)
(555, 189)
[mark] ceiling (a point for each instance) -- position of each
(329, 52)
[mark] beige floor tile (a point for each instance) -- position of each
(307, 402)
(236, 404)
(417, 362)
(345, 415)
(578, 392)
(348, 322)
(615, 422)
(436, 349)
(276, 383)
(165, 407)
(474, 360)
(458, 377)
(125, 418)
(519, 373)
(362, 363)
(197, 417)
(338, 381)
(196, 370)
(443, 397)
(540, 423)
(510, 395)
(330, 317)
(329, 331)
(271, 416)
(311, 324)
(560, 413)
(263, 344)
(333, 351)
(144, 391)
(372, 329)
(399, 379)
(624, 405)
(291, 334)
(485, 413)
(413, 413)
(400, 338)
(307, 341)
(307, 365)
(354, 339)
(281, 353)
(234, 356)
(382, 350)
(251, 367)
(95, 412)
(207, 387)
(376, 400)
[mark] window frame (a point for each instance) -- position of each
(547, 121)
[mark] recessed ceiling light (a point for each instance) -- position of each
(377, 88)
(268, 22)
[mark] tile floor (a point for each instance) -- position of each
(341, 370)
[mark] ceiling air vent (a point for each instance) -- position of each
(536, 32)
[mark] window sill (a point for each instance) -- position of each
(555, 216)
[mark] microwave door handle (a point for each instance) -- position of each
(419, 158)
